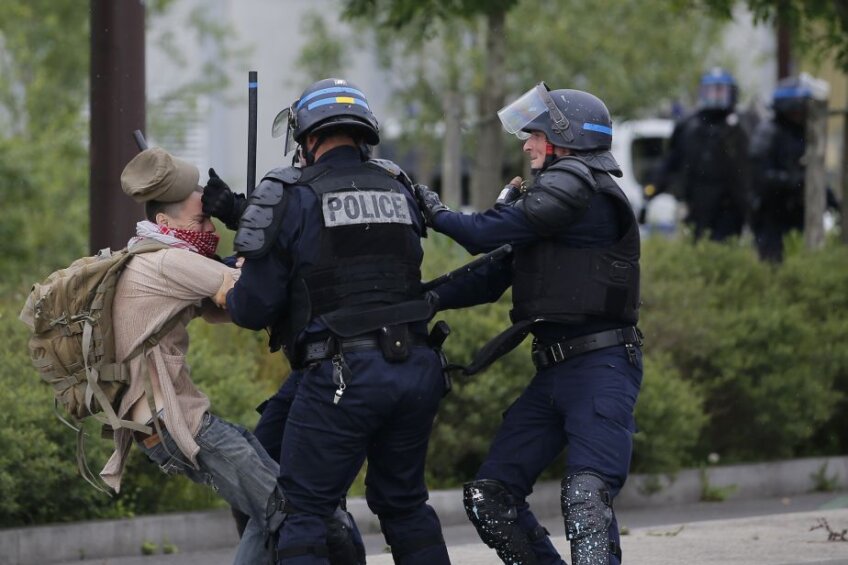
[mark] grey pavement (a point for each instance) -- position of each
(734, 532)
(756, 490)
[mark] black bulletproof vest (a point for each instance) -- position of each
(565, 284)
(367, 248)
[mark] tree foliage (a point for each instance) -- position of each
(636, 55)
(324, 55)
(820, 26)
(421, 14)
(633, 55)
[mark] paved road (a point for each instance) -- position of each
(773, 531)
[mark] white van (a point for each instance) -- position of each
(639, 146)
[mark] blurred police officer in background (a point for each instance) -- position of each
(707, 165)
(777, 148)
(575, 286)
(332, 267)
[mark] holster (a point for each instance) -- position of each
(438, 334)
(394, 342)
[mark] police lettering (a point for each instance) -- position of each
(364, 207)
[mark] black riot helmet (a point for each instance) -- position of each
(327, 104)
(572, 119)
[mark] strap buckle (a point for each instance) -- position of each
(556, 353)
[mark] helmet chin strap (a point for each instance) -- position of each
(309, 152)
(364, 151)
(550, 155)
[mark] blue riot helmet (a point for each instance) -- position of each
(790, 99)
(571, 119)
(327, 104)
(717, 91)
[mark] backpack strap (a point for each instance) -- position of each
(109, 417)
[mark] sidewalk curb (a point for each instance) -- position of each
(207, 530)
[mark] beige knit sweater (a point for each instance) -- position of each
(154, 288)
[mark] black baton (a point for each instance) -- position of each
(486, 259)
(139, 140)
(252, 87)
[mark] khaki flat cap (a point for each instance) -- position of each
(154, 174)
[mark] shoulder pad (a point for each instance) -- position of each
(390, 167)
(558, 198)
(261, 219)
(287, 175)
(571, 165)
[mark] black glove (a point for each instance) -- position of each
(433, 300)
(221, 202)
(429, 203)
(510, 193)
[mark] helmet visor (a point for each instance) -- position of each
(283, 126)
(518, 114)
(716, 96)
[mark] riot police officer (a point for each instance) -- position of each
(777, 148)
(333, 268)
(575, 286)
(706, 165)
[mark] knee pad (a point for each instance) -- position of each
(492, 510)
(341, 544)
(587, 509)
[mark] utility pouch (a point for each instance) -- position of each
(438, 334)
(394, 343)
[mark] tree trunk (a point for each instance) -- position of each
(814, 180)
(452, 148)
(452, 111)
(843, 201)
(117, 107)
(486, 180)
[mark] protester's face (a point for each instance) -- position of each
(535, 147)
(190, 216)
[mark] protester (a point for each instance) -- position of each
(173, 285)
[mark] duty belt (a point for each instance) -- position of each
(327, 348)
(630, 337)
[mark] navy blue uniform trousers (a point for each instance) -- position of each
(385, 415)
(585, 404)
(275, 411)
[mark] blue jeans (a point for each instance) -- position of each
(235, 465)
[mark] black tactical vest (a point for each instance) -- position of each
(364, 254)
(565, 284)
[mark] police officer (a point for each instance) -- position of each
(333, 268)
(706, 165)
(777, 148)
(575, 286)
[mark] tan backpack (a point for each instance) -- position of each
(73, 344)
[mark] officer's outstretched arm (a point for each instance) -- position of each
(479, 286)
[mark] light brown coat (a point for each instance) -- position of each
(154, 288)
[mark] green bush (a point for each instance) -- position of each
(763, 343)
(38, 476)
(669, 417)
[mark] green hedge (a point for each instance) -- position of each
(742, 358)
